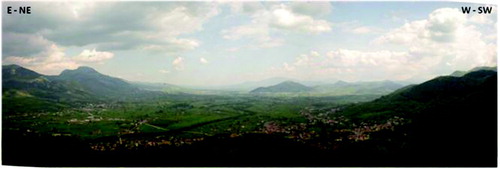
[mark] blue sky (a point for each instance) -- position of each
(221, 43)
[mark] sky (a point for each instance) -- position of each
(226, 42)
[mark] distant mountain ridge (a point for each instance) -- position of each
(358, 88)
(160, 87)
(86, 82)
(338, 88)
(459, 73)
(251, 85)
(283, 87)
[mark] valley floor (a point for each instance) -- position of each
(205, 130)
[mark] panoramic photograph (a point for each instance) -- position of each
(249, 84)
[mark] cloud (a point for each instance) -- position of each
(284, 18)
(345, 64)
(245, 31)
(53, 60)
(288, 67)
(246, 7)
(274, 19)
(447, 36)
(434, 46)
(20, 44)
(152, 26)
(442, 25)
(203, 60)
(178, 63)
(93, 56)
(164, 71)
(258, 34)
(355, 27)
(404, 34)
(483, 19)
(172, 45)
(362, 30)
(312, 8)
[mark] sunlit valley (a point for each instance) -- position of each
(249, 84)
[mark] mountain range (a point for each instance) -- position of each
(78, 84)
(338, 88)
(450, 117)
(251, 85)
(459, 73)
(86, 83)
(286, 86)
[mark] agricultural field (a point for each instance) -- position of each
(183, 117)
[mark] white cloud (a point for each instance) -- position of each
(442, 25)
(178, 63)
(203, 60)
(481, 19)
(448, 37)
(404, 34)
(277, 17)
(248, 7)
(53, 60)
(438, 45)
(164, 71)
(282, 17)
(154, 26)
(353, 65)
(362, 30)
(93, 56)
(288, 68)
(355, 27)
(255, 31)
(20, 60)
(172, 45)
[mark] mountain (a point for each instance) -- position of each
(359, 88)
(338, 88)
(453, 119)
(283, 87)
(162, 87)
(458, 73)
(96, 83)
(19, 81)
(83, 83)
(462, 73)
(249, 85)
(16, 72)
(24, 90)
(440, 90)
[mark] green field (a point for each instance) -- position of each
(179, 117)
